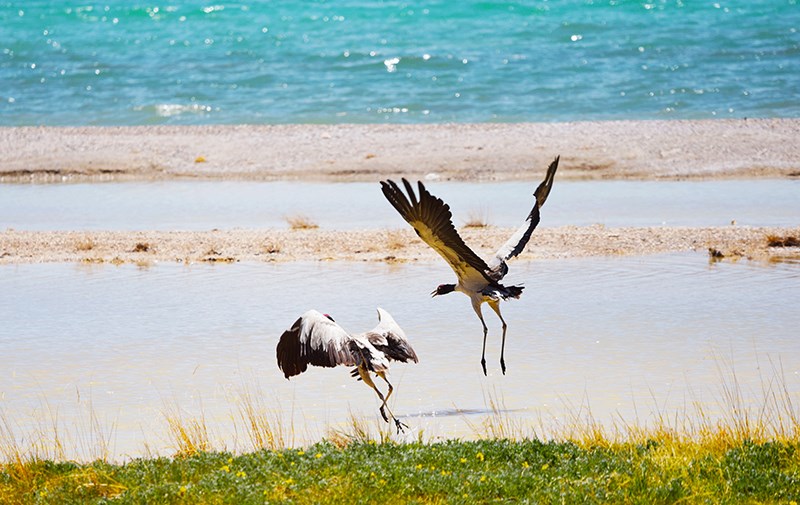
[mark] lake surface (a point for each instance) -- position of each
(610, 338)
(367, 61)
(205, 205)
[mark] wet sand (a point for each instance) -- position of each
(226, 246)
(651, 150)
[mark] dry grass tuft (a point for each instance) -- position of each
(477, 219)
(271, 248)
(358, 431)
(85, 244)
(395, 240)
(189, 437)
(141, 247)
(777, 241)
(264, 427)
(214, 256)
(301, 222)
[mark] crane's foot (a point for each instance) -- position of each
(483, 364)
(400, 426)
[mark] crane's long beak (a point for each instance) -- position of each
(434, 293)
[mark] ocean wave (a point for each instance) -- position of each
(174, 109)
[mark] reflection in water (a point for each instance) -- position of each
(204, 205)
(623, 337)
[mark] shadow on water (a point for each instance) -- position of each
(632, 334)
(465, 412)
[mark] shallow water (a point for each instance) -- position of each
(200, 205)
(621, 337)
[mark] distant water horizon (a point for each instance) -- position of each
(263, 62)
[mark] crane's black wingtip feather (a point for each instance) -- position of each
(543, 190)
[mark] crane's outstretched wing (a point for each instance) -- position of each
(520, 238)
(432, 220)
(317, 340)
(390, 339)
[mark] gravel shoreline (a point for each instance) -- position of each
(226, 246)
(651, 150)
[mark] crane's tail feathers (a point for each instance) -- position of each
(512, 292)
(543, 190)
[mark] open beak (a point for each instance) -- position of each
(434, 293)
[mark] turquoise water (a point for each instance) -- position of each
(182, 62)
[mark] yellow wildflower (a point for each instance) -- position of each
(225, 468)
(525, 464)
(545, 467)
(241, 474)
(480, 456)
(463, 460)
(318, 455)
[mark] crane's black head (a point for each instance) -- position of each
(329, 317)
(443, 289)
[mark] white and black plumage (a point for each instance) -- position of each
(431, 219)
(316, 339)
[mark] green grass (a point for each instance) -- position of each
(750, 453)
(448, 472)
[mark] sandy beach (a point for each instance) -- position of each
(649, 150)
(646, 150)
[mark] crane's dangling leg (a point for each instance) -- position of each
(477, 308)
(364, 374)
(400, 425)
(495, 305)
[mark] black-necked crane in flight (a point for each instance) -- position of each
(480, 281)
(316, 339)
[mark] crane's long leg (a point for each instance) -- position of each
(496, 307)
(382, 375)
(477, 308)
(364, 374)
(400, 425)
